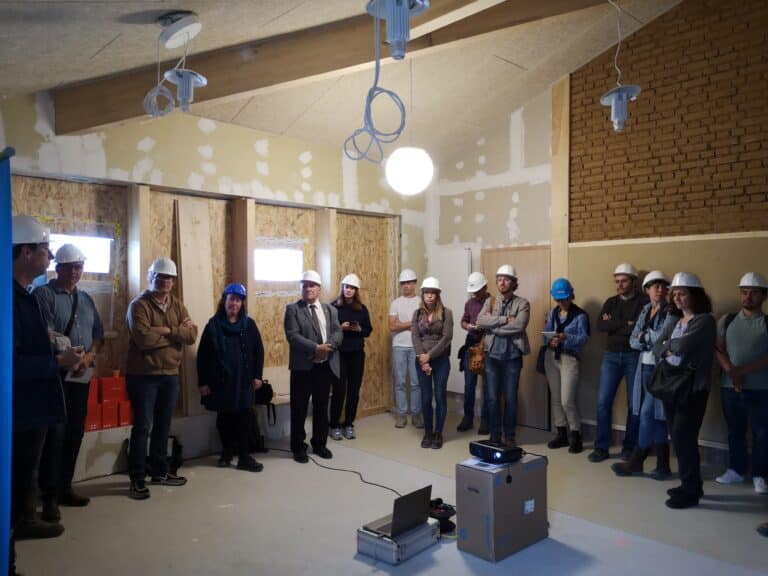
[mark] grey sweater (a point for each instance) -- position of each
(696, 347)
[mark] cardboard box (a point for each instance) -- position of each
(501, 508)
(93, 392)
(93, 417)
(112, 389)
(124, 414)
(109, 414)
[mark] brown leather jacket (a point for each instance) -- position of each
(150, 353)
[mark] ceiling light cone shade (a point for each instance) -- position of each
(186, 81)
(617, 99)
(409, 170)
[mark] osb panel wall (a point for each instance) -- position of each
(87, 209)
(363, 247)
(220, 214)
(269, 311)
(694, 156)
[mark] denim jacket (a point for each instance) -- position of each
(651, 334)
(576, 332)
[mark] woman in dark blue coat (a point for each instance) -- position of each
(230, 361)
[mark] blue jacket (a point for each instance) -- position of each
(576, 332)
(651, 332)
(38, 399)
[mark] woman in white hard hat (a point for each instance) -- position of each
(565, 333)
(230, 361)
(432, 330)
(653, 424)
(688, 342)
(356, 327)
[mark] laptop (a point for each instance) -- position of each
(407, 512)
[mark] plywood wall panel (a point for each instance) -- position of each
(363, 246)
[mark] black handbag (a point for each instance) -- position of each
(671, 384)
(540, 359)
(264, 394)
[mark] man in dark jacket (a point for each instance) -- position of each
(617, 319)
(38, 400)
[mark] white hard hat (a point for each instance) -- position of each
(311, 276)
(475, 282)
(506, 270)
(351, 280)
(625, 268)
(430, 283)
(407, 275)
(655, 276)
(29, 230)
(753, 280)
(686, 280)
(163, 266)
(69, 253)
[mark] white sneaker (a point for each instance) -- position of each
(730, 477)
(760, 486)
(336, 433)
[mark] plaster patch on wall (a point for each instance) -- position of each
(481, 141)
(282, 196)
(146, 144)
(412, 218)
(334, 200)
(141, 169)
(262, 168)
(305, 157)
(479, 240)
(457, 219)
(298, 196)
(261, 147)
(481, 160)
(458, 202)
(209, 168)
(205, 151)
(206, 125)
(156, 176)
(480, 195)
(382, 206)
(306, 172)
(460, 165)
(306, 187)
(383, 184)
(318, 198)
(349, 183)
(455, 238)
(513, 229)
(515, 197)
(118, 174)
(260, 190)
(196, 181)
(479, 218)
(480, 173)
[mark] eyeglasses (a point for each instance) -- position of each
(164, 277)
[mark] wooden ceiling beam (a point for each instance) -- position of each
(247, 68)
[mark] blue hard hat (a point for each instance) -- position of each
(236, 289)
(561, 289)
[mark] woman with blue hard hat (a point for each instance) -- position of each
(565, 333)
(230, 361)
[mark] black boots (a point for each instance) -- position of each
(465, 424)
(576, 446)
(560, 440)
(632, 466)
(662, 470)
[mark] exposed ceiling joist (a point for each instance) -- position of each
(248, 68)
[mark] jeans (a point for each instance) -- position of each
(615, 366)
(470, 385)
(403, 364)
(346, 390)
(502, 377)
(684, 425)
(153, 400)
(437, 384)
(740, 408)
(651, 431)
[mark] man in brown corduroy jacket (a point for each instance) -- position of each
(159, 327)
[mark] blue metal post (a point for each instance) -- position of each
(6, 354)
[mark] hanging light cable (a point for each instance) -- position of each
(619, 97)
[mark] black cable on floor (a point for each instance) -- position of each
(363, 480)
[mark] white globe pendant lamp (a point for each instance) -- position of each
(409, 170)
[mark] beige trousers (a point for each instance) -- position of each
(563, 378)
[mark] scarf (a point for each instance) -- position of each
(220, 329)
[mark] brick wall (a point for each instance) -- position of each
(693, 158)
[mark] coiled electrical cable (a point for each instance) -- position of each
(371, 149)
(151, 104)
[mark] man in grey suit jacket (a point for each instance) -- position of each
(314, 336)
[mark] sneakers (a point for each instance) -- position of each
(760, 485)
(730, 476)
(36, 529)
(465, 424)
(400, 421)
(349, 432)
(168, 480)
(598, 455)
(69, 497)
(249, 465)
(418, 420)
(336, 434)
(139, 490)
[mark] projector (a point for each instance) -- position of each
(493, 453)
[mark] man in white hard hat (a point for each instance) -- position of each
(504, 320)
(477, 287)
(314, 336)
(742, 350)
(159, 327)
(38, 400)
(617, 320)
(401, 313)
(71, 312)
